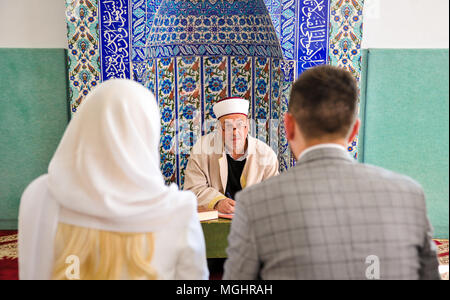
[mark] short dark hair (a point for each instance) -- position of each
(324, 101)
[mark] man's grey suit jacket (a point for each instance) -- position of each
(330, 217)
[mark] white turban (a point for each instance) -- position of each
(233, 105)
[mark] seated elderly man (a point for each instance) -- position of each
(227, 160)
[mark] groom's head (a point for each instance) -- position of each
(322, 108)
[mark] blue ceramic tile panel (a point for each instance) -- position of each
(115, 40)
(138, 22)
(313, 34)
(83, 54)
(287, 28)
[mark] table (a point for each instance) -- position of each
(216, 237)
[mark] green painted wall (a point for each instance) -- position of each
(406, 127)
(33, 116)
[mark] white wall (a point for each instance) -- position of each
(32, 24)
(387, 24)
(406, 24)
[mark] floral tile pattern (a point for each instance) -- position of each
(168, 105)
(241, 74)
(83, 49)
(261, 90)
(189, 107)
(215, 76)
(346, 19)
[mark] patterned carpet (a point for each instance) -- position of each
(442, 246)
(8, 255)
(9, 271)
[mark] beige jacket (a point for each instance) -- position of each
(207, 169)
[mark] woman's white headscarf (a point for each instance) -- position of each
(105, 174)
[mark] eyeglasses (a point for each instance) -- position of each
(229, 126)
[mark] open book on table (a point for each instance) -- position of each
(205, 214)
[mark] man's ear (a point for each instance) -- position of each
(289, 125)
(354, 131)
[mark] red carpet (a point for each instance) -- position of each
(9, 267)
(442, 246)
(8, 255)
(442, 251)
